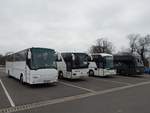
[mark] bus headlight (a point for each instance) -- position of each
(35, 77)
(74, 74)
(95, 68)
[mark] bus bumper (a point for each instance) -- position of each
(109, 72)
(44, 81)
(79, 74)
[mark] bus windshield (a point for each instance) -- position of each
(108, 62)
(43, 58)
(81, 61)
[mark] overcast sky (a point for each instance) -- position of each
(70, 25)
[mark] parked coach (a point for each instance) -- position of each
(33, 66)
(128, 64)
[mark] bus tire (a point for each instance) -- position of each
(21, 79)
(8, 73)
(60, 75)
(91, 73)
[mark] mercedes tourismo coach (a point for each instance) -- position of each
(72, 65)
(101, 64)
(33, 66)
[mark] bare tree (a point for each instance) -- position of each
(102, 46)
(133, 40)
(3, 58)
(140, 44)
(143, 47)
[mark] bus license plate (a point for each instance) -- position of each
(46, 81)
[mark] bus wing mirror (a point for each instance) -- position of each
(73, 57)
(29, 54)
(90, 58)
(58, 58)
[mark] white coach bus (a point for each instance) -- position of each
(33, 66)
(101, 64)
(72, 65)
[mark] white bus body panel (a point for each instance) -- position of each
(61, 67)
(101, 72)
(15, 69)
(43, 76)
(8, 68)
(79, 73)
(74, 74)
(109, 72)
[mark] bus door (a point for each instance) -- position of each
(100, 65)
(69, 66)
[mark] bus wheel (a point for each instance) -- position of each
(8, 73)
(91, 73)
(60, 75)
(21, 79)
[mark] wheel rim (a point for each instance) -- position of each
(21, 79)
(60, 75)
(91, 73)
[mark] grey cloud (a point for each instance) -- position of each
(70, 25)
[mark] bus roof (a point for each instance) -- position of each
(124, 57)
(102, 54)
(73, 53)
(29, 48)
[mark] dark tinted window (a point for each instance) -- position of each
(67, 57)
(10, 58)
(20, 56)
(43, 58)
(81, 60)
(98, 60)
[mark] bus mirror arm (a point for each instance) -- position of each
(73, 57)
(29, 55)
(28, 62)
(103, 66)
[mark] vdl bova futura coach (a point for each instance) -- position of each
(101, 64)
(33, 66)
(128, 64)
(72, 65)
